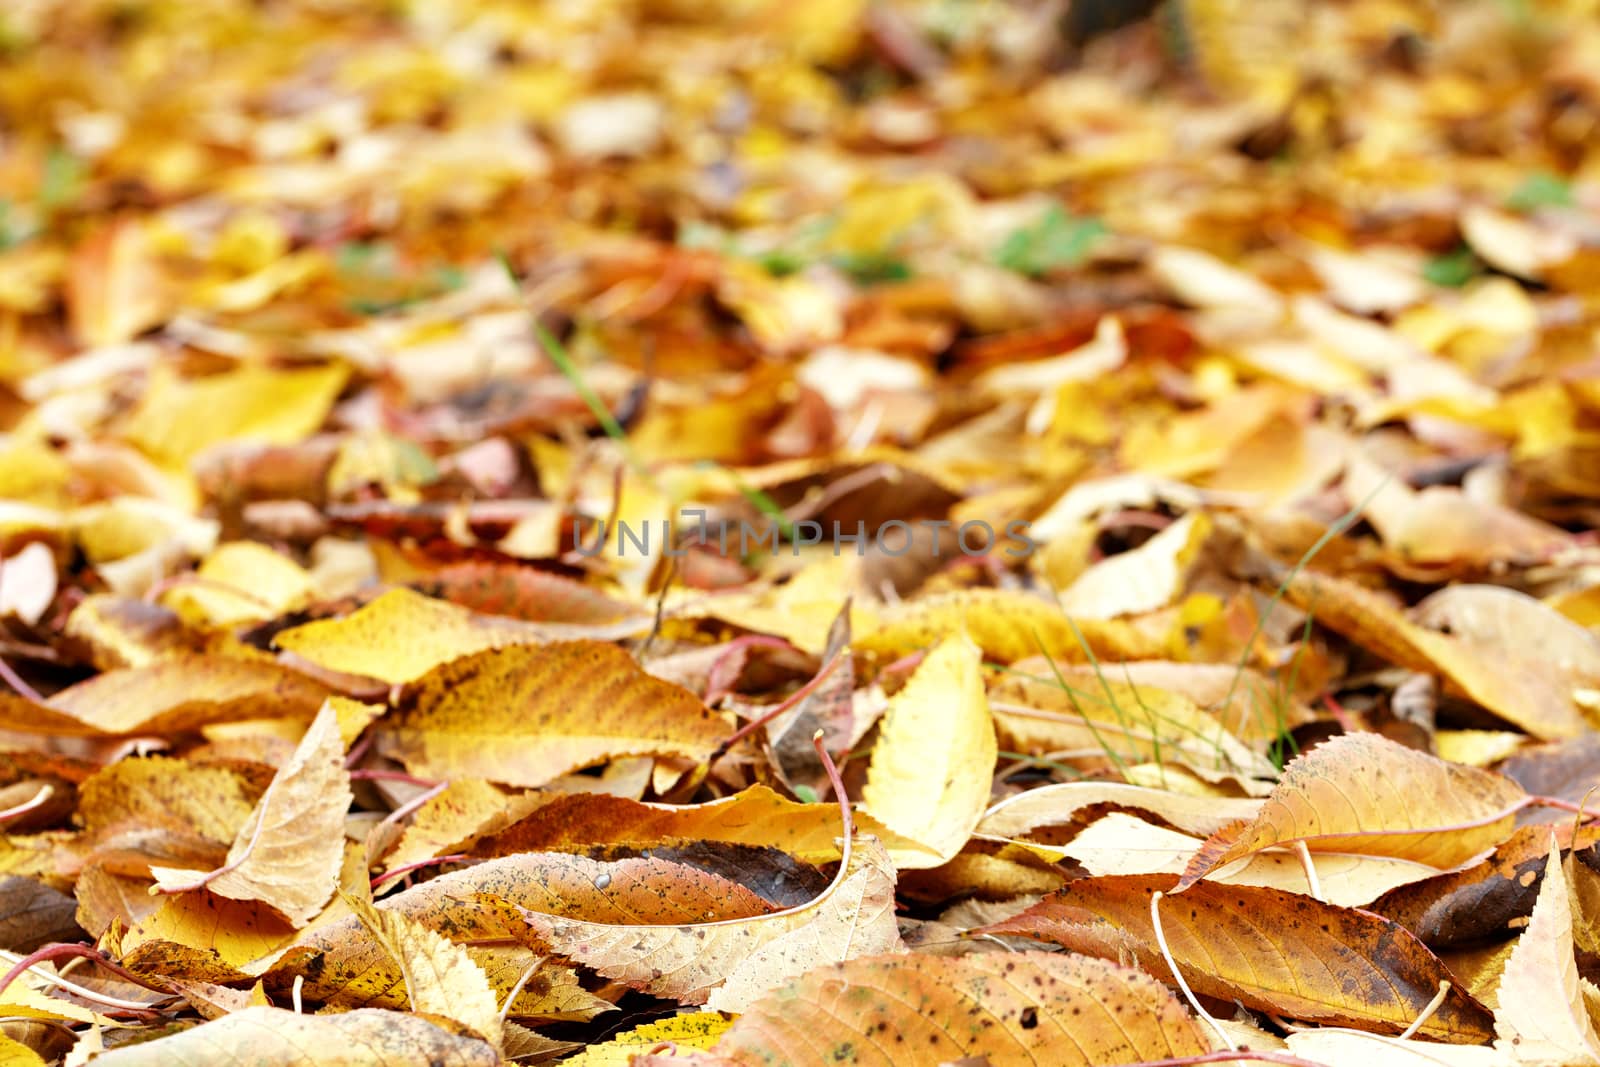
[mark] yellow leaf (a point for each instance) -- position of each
(402, 635)
(1142, 579)
(1007, 626)
(530, 713)
(16, 1054)
(690, 1030)
(934, 760)
(177, 419)
(243, 582)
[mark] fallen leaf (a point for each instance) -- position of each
(288, 853)
(1016, 1008)
(934, 758)
(401, 636)
(727, 964)
(440, 978)
(1500, 685)
(275, 1037)
(1271, 950)
(1543, 1017)
(524, 715)
(1365, 794)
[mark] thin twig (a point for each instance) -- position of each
(1172, 964)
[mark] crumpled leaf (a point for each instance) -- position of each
(524, 715)
(1365, 794)
(288, 853)
(934, 758)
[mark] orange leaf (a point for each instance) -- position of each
(1270, 950)
(1365, 794)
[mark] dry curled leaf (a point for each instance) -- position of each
(289, 851)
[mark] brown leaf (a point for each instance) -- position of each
(728, 963)
(1485, 900)
(343, 965)
(32, 913)
(528, 714)
(1270, 950)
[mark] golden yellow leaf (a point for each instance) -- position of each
(177, 419)
(16, 1054)
(934, 759)
(201, 935)
(1007, 626)
(242, 582)
(402, 635)
(526, 714)
(688, 1030)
